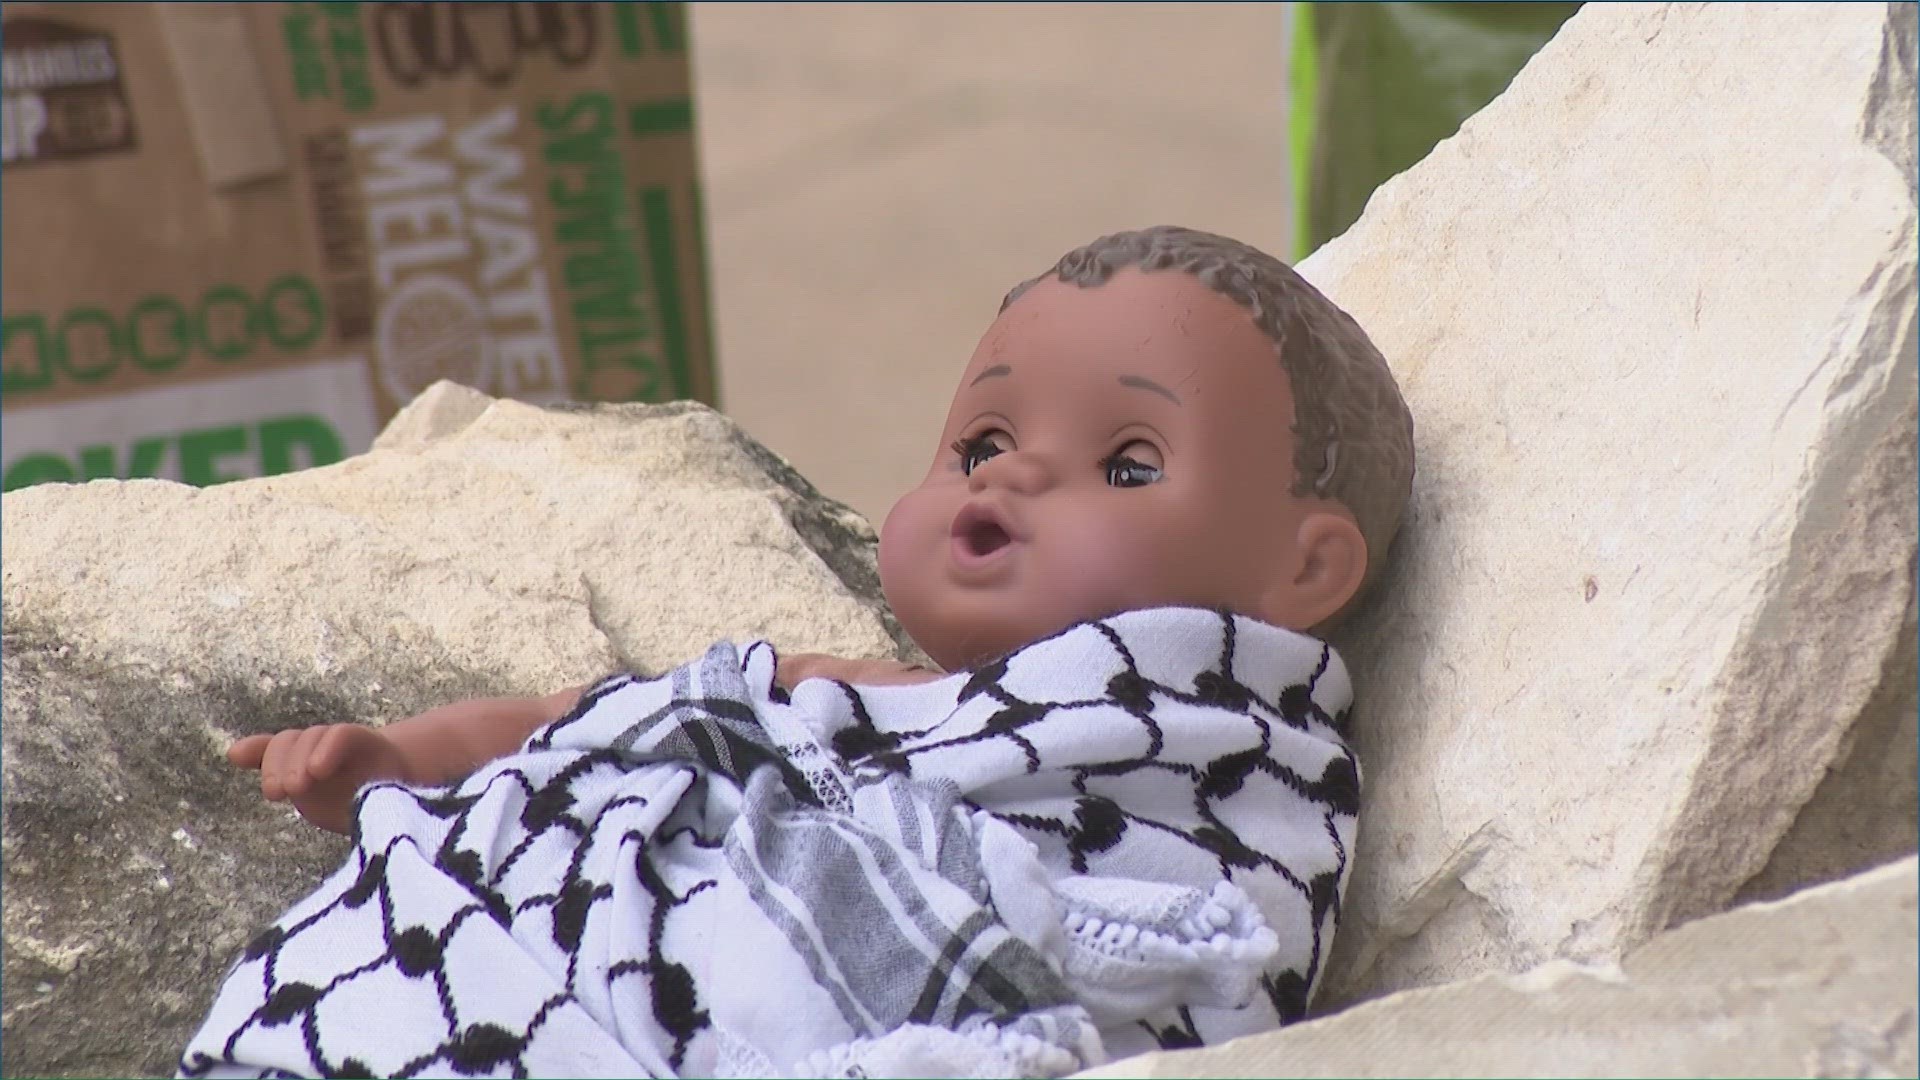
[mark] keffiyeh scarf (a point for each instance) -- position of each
(1133, 834)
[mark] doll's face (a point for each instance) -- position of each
(1111, 448)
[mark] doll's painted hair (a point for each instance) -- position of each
(1353, 435)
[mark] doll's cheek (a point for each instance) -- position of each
(902, 536)
(1094, 568)
(894, 530)
(1119, 566)
(889, 554)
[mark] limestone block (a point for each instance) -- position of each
(1820, 984)
(1866, 810)
(1654, 312)
(491, 547)
(442, 410)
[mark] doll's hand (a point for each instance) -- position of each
(802, 666)
(320, 769)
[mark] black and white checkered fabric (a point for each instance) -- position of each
(1133, 834)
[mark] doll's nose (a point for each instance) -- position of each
(1020, 471)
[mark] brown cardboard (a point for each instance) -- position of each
(224, 90)
(237, 237)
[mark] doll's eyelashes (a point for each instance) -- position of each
(976, 450)
(1126, 469)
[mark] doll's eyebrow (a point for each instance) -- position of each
(995, 370)
(1141, 382)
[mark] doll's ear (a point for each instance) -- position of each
(1327, 567)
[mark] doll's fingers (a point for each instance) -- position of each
(283, 765)
(324, 758)
(273, 764)
(248, 752)
(334, 751)
(299, 777)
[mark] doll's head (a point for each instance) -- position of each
(1166, 417)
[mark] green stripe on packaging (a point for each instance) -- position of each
(701, 254)
(656, 216)
(672, 117)
(668, 22)
(626, 20)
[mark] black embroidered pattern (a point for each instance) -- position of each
(1097, 823)
(530, 860)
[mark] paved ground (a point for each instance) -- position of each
(879, 174)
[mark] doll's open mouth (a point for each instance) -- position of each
(979, 533)
(984, 539)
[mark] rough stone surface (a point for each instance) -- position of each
(1654, 312)
(444, 410)
(1864, 811)
(489, 547)
(1820, 984)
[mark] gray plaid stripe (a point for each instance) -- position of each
(854, 908)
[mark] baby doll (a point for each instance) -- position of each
(1122, 822)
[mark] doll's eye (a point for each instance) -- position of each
(976, 450)
(1136, 464)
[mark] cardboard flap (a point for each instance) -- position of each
(224, 90)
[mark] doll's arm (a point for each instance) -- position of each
(800, 667)
(447, 744)
(321, 769)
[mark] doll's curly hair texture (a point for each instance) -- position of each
(1353, 434)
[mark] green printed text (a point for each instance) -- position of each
(603, 272)
(327, 53)
(201, 456)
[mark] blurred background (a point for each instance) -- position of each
(237, 237)
(878, 176)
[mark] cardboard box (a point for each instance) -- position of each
(238, 237)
